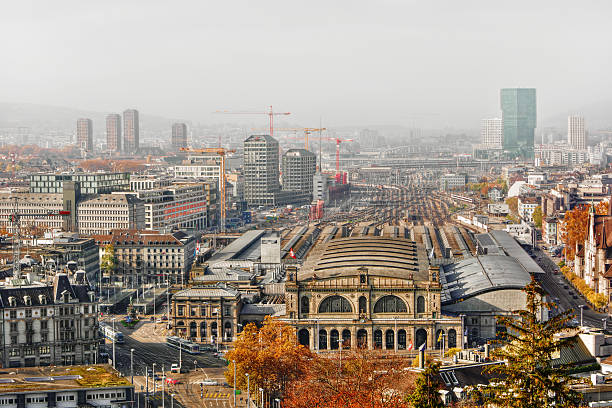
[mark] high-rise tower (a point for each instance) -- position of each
(261, 172)
(179, 135)
(299, 166)
(84, 134)
(576, 135)
(113, 132)
(518, 107)
(131, 131)
(492, 133)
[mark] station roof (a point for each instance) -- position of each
(238, 248)
(476, 275)
(382, 256)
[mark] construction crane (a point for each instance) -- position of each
(270, 114)
(15, 218)
(338, 141)
(220, 151)
(307, 132)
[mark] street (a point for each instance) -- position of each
(554, 285)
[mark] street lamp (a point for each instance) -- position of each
(277, 402)
(154, 382)
(605, 323)
(114, 335)
(172, 400)
(234, 364)
(248, 390)
(132, 364)
(163, 386)
(261, 391)
(581, 309)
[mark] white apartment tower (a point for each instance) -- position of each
(576, 135)
(492, 133)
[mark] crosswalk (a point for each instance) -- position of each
(216, 395)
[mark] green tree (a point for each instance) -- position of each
(108, 265)
(537, 216)
(528, 379)
(425, 394)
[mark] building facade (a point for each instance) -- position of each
(299, 166)
(49, 325)
(519, 119)
(368, 292)
(88, 183)
(261, 170)
(103, 213)
(492, 133)
(131, 131)
(145, 257)
(453, 181)
(207, 315)
(179, 135)
(84, 134)
(526, 207)
(113, 132)
(576, 135)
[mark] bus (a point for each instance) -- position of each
(182, 344)
(107, 331)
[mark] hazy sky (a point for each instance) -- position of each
(351, 62)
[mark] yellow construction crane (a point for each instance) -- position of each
(220, 151)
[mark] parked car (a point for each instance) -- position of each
(172, 381)
(209, 382)
(175, 368)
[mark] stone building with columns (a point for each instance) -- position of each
(373, 292)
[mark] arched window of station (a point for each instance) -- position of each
(304, 337)
(363, 305)
(401, 339)
(420, 304)
(390, 304)
(203, 330)
(322, 339)
(193, 329)
(362, 338)
(389, 340)
(335, 304)
(227, 330)
(452, 338)
(421, 338)
(213, 329)
(334, 339)
(304, 305)
(439, 339)
(346, 339)
(378, 339)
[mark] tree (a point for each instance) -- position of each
(108, 265)
(426, 394)
(528, 379)
(361, 378)
(575, 225)
(513, 204)
(271, 356)
(537, 216)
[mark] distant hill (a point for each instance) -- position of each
(62, 118)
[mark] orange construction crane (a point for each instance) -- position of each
(307, 132)
(220, 151)
(270, 113)
(338, 141)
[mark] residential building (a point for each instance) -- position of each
(495, 194)
(179, 135)
(207, 315)
(145, 257)
(320, 190)
(550, 226)
(88, 183)
(453, 181)
(84, 134)
(148, 182)
(261, 170)
(49, 324)
(561, 155)
(113, 132)
(299, 166)
(576, 136)
(71, 250)
(492, 133)
(131, 131)
(519, 119)
(177, 206)
(526, 207)
(75, 386)
(100, 214)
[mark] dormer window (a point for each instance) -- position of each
(12, 301)
(27, 300)
(65, 296)
(42, 299)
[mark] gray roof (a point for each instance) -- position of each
(477, 275)
(207, 292)
(224, 274)
(238, 247)
(512, 248)
(264, 309)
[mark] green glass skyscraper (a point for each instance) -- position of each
(518, 107)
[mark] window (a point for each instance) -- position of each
(335, 304)
(227, 310)
(420, 304)
(305, 305)
(14, 326)
(181, 310)
(28, 313)
(13, 314)
(390, 304)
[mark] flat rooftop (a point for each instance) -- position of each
(36, 379)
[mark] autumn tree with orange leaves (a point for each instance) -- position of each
(575, 225)
(270, 355)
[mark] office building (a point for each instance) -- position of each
(576, 136)
(88, 183)
(75, 386)
(84, 134)
(100, 214)
(145, 257)
(518, 107)
(179, 135)
(453, 181)
(492, 134)
(131, 131)
(261, 170)
(320, 190)
(299, 166)
(46, 325)
(113, 132)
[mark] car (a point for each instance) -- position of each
(175, 368)
(209, 382)
(172, 381)
(164, 317)
(573, 323)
